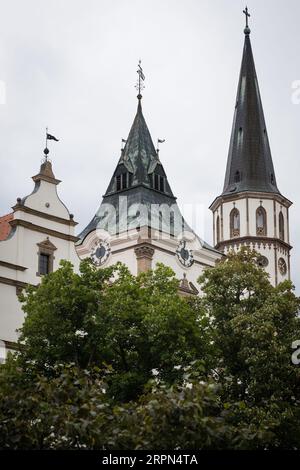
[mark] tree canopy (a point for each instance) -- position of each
(113, 361)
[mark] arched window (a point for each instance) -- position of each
(281, 226)
(234, 223)
(218, 229)
(261, 221)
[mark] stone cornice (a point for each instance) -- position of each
(38, 228)
(43, 177)
(158, 248)
(11, 345)
(13, 282)
(249, 239)
(15, 267)
(251, 195)
(187, 290)
(44, 215)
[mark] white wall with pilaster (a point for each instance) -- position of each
(19, 258)
(269, 245)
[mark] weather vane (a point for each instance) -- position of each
(159, 141)
(247, 15)
(48, 137)
(140, 85)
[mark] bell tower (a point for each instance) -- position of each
(251, 211)
(139, 222)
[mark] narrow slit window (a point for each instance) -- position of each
(162, 184)
(118, 179)
(281, 226)
(124, 181)
(218, 229)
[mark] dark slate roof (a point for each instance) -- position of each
(140, 159)
(139, 155)
(249, 165)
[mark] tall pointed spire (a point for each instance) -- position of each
(249, 165)
(139, 155)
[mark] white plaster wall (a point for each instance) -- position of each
(279, 208)
(164, 252)
(47, 192)
(192, 273)
(272, 230)
(11, 314)
(21, 249)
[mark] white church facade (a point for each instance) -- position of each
(139, 222)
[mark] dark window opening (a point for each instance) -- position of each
(237, 177)
(122, 181)
(162, 184)
(272, 178)
(281, 226)
(172, 224)
(158, 183)
(44, 264)
(119, 183)
(160, 222)
(218, 229)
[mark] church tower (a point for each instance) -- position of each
(139, 222)
(251, 211)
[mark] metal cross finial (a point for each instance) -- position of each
(247, 16)
(140, 85)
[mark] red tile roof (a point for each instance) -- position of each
(5, 227)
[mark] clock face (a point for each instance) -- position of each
(282, 266)
(263, 261)
(100, 252)
(184, 255)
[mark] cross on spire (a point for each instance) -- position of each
(140, 85)
(247, 15)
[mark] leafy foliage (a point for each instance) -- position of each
(130, 364)
(253, 325)
(72, 411)
(135, 324)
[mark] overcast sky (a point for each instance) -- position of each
(71, 65)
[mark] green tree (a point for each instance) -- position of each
(134, 324)
(72, 411)
(253, 325)
(112, 361)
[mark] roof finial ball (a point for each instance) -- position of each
(247, 30)
(46, 153)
